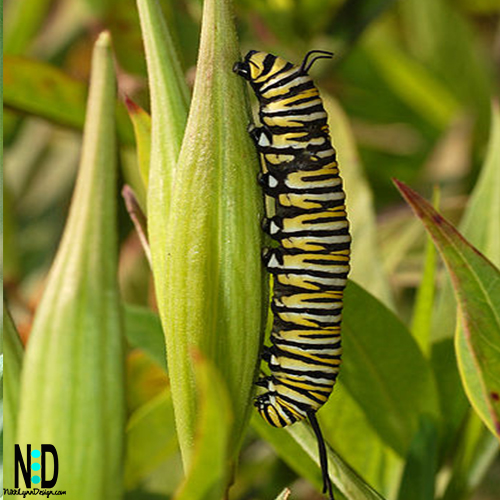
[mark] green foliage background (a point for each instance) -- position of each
(409, 94)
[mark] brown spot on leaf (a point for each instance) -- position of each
(495, 396)
(437, 218)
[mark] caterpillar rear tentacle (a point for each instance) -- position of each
(323, 458)
(309, 222)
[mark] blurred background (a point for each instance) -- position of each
(416, 79)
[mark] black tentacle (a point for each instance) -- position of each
(323, 458)
(305, 67)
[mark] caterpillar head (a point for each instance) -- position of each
(260, 66)
(257, 67)
(252, 65)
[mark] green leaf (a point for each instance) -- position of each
(169, 108)
(43, 90)
(419, 475)
(366, 268)
(151, 438)
(207, 476)
(478, 226)
(424, 301)
(143, 330)
(480, 220)
(347, 429)
(476, 451)
(10, 250)
(397, 238)
(72, 392)
(145, 380)
(132, 176)
(13, 352)
(344, 479)
(384, 370)
(354, 17)
(39, 89)
(435, 29)
(477, 288)
(297, 446)
(452, 398)
(142, 129)
(413, 83)
(211, 294)
(22, 22)
(289, 450)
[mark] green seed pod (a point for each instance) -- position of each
(213, 285)
(72, 388)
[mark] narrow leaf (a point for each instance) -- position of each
(344, 479)
(476, 282)
(476, 451)
(434, 30)
(297, 446)
(22, 22)
(72, 393)
(40, 89)
(413, 83)
(129, 161)
(354, 17)
(210, 296)
(419, 475)
(424, 301)
(480, 221)
(142, 129)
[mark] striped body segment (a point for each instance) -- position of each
(311, 262)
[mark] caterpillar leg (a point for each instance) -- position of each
(269, 254)
(270, 226)
(263, 382)
(266, 354)
(269, 183)
(260, 135)
(323, 458)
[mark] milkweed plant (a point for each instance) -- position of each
(137, 358)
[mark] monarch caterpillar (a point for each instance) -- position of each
(311, 263)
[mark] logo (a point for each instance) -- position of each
(38, 469)
(34, 472)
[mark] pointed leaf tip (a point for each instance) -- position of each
(132, 106)
(476, 282)
(426, 212)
